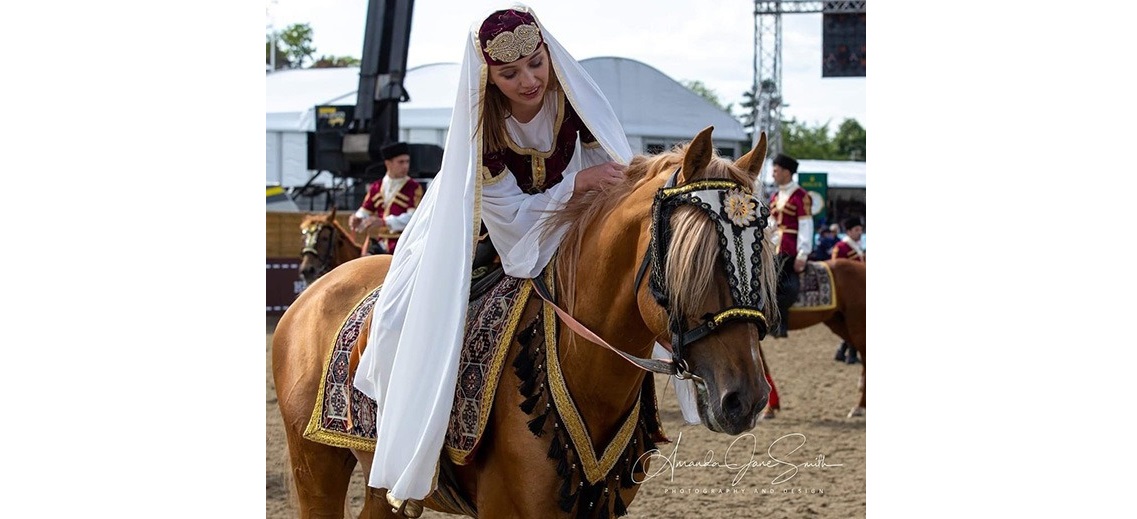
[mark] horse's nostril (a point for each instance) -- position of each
(761, 404)
(732, 404)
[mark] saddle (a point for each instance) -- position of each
(487, 269)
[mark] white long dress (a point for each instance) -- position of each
(411, 362)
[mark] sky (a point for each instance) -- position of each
(710, 40)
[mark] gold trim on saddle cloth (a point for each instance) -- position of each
(832, 291)
(493, 378)
(595, 470)
(315, 431)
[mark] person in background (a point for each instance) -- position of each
(792, 217)
(825, 242)
(849, 248)
(389, 203)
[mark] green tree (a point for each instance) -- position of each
(801, 141)
(705, 92)
(850, 141)
(335, 62)
(749, 101)
(297, 39)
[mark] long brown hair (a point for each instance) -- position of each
(495, 109)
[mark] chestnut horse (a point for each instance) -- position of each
(326, 246)
(847, 320)
(607, 236)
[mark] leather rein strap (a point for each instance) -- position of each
(747, 310)
(664, 366)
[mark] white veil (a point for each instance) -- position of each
(411, 362)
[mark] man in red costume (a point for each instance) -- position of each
(850, 245)
(389, 203)
(849, 248)
(792, 215)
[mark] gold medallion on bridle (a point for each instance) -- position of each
(740, 207)
(510, 46)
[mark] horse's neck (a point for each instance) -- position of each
(605, 386)
(346, 248)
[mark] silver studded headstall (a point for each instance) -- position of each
(739, 219)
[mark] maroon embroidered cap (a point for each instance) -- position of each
(508, 35)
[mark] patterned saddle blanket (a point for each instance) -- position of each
(345, 417)
(816, 292)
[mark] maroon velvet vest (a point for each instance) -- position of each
(536, 171)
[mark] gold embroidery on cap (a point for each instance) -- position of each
(509, 46)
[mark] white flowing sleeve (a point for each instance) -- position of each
(593, 156)
(514, 220)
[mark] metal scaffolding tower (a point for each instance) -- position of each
(767, 86)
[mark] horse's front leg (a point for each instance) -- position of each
(375, 502)
(860, 409)
(516, 478)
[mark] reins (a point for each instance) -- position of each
(739, 219)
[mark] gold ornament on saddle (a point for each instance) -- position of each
(510, 46)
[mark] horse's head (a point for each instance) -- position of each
(320, 236)
(710, 283)
(677, 255)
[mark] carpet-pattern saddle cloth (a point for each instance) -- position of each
(816, 291)
(345, 417)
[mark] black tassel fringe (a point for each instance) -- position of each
(530, 403)
(537, 425)
(619, 508)
(574, 491)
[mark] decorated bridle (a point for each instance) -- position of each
(311, 238)
(739, 219)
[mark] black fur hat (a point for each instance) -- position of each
(394, 150)
(786, 161)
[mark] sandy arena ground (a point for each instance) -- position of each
(817, 393)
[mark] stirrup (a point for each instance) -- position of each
(405, 507)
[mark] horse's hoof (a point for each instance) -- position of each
(768, 414)
(857, 411)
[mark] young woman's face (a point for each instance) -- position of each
(524, 81)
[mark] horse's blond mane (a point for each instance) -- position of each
(691, 259)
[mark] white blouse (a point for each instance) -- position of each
(514, 218)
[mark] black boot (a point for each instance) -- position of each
(841, 349)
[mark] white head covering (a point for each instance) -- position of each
(411, 362)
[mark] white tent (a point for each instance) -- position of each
(656, 111)
(839, 173)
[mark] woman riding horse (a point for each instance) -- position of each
(673, 254)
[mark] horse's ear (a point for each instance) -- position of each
(698, 155)
(752, 162)
(333, 217)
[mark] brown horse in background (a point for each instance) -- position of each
(608, 234)
(847, 320)
(327, 245)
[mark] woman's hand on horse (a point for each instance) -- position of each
(599, 176)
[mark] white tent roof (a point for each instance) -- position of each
(649, 103)
(839, 173)
(670, 111)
